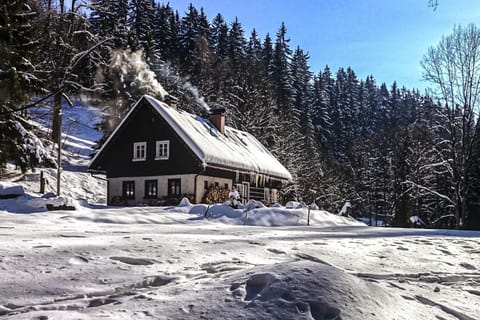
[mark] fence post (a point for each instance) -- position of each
(42, 183)
(308, 216)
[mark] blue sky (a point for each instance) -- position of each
(384, 38)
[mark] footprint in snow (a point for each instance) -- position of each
(468, 266)
(133, 261)
(257, 283)
(77, 260)
(448, 253)
(276, 251)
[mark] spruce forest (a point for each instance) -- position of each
(389, 150)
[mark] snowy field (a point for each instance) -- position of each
(149, 263)
(174, 263)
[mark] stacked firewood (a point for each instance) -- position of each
(215, 194)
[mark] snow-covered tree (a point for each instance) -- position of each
(108, 18)
(18, 84)
(308, 163)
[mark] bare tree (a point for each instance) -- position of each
(453, 67)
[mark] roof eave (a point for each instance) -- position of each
(233, 169)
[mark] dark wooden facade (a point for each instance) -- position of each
(145, 124)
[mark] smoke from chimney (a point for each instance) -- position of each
(166, 72)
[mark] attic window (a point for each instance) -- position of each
(162, 150)
(139, 151)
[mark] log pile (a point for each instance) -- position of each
(215, 194)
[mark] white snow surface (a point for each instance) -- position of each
(153, 263)
(234, 149)
(8, 189)
(101, 262)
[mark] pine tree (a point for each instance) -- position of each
(188, 35)
(236, 48)
(308, 164)
(108, 18)
(165, 30)
(236, 83)
(320, 116)
(219, 38)
(267, 56)
(287, 143)
(280, 74)
(18, 83)
(141, 27)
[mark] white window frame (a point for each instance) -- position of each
(157, 149)
(139, 145)
(274, 195)
(267, 195)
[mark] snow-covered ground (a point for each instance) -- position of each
(176, 263)
(150, 263)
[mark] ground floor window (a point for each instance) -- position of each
(174, 187)
(128, 189)
(151, 190)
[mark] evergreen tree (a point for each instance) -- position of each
(236, 48)
(287, 143)
(141, 27)
(188, 35)
(18, 84)
(267, 57)
(280, 74)
(108, 18)
(166, 29)
(219, 41)
(308, 164)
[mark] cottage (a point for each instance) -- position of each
(158, 152)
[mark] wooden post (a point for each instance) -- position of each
(42, 183)
(308, 216)
(59, 160)
(206, 211)
(245, 218)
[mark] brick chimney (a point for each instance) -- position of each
(217, 117)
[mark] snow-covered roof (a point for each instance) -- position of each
(233, 150)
